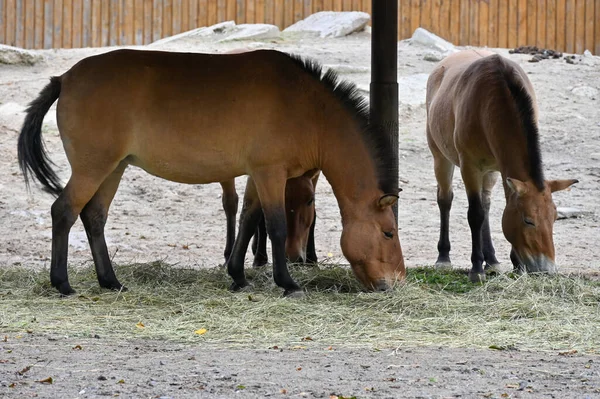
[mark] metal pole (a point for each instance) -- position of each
(384, 72)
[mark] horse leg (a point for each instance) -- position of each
(444, 172)
(476, 217)
(311, 253)
(81, 187)
(248, 220)
(259, 243)
(489, 253)
(518, 267)
(270, 185)
(94, 216)
(230, 206)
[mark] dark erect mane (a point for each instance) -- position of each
(525, 108)
(376, 138)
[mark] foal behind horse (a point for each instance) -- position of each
(482, 117)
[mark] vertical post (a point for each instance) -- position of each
(384, 72)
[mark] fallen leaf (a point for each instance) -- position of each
(283, 391)
(29, 331)
(307, 339)
(330, 255)
(25, 369)
(296, 347)
(185, 246)
(330, 348)
(370, 389)
(121, 382)
(201, 331)
(505, 395)
(513, 386)
(48, 380)
(12, 385)
(274, 347)
(6, 338)
(140, 325)
(299, 368)
(240, 387)
(77, 347)
(19, 337)
(498, 347)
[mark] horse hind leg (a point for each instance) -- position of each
(444, 172)
(489, 253)
(230, 206)
(94, 216)
(82, 186)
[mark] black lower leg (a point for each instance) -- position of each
(444, 205)
(260, 243)
(276, 228)
(94, 219)
(489, 253)
(235, 264)
(476, 216)
(517, 264)
(311, 252)
(62, 220)
(230, 205)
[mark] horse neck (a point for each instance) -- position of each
(511, 151)
(347, 163)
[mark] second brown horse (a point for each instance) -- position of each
(482, 117)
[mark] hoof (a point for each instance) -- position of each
(296, 294)
(244, 287)
(113, 285)
(475, 277)
(493, 268)
(443, 265)
(259, 263)
(64, 289)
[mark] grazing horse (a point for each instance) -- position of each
(482, 117)
(300, 216)
(201, 118)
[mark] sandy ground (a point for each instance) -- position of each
(143, 369)
(153, 219)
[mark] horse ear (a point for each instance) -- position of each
(516, 186)
(311, 174)
(558, 185)
(387, 200)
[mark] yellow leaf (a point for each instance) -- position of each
(297, 347)
(46, 380)
(140, 325)
(283, 391)
(329, 255)
(201, 331)
(121, 382)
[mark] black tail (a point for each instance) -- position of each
(33, 158)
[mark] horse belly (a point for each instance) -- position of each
(200, 168)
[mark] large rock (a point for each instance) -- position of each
(428, 39)
(253, 32)
(18, 56)
(331, 24)
(206, 31)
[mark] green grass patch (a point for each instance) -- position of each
(433, 307)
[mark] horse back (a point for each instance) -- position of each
(469, 106)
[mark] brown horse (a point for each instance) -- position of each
(201, 118)
(300, 218)
(482, 117)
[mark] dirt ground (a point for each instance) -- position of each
(153, 219)
(143, 369)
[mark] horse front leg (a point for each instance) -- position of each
(476, 217)
(270, 186)
(248, 220)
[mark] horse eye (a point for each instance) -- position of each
(388, 234)
(529, 222)
(310, 201)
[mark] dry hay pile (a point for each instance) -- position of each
(189, 305)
